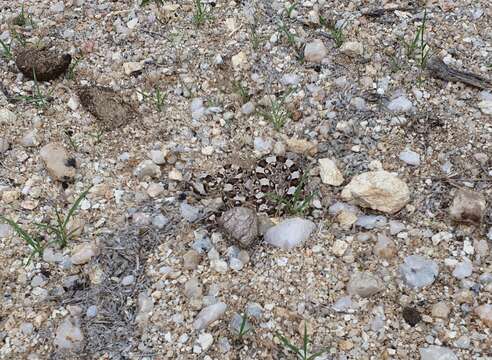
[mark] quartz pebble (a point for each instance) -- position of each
(208, 315)
(418, 271)
(410, 157)
(289, 233)
(68, 334)
(434, 352)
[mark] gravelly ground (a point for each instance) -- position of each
(156, 254)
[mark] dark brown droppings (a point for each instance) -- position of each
(411, 315)
(43, 63)
(71, 162)
(107, 106)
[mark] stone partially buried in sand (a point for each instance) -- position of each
(467, 207)
(241, 224)
(46, 64)
(107, 106)
(378, 190)
(57, 162)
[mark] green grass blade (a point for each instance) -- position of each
(34, 244)
(75, 206)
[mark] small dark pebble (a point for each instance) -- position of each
(71, 162)
(411, 315)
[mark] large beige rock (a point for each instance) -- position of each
(378, 190)
(329, 172)
(57, 162)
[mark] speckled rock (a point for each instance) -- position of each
(468, 206)
(241, 224)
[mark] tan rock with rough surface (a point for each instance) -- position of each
(378, 190)
(57, 162)
(329, 172)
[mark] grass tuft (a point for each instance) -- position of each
(201, 15)
(297, 204)
(37, 98)
(60, 232)
(300, 352)
(158, 98)
(278, 114)
(6, 50)
(418, 48)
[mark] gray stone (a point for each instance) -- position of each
(315, 51)
(463, 342)
(248, 108)
(435, 352)
(290, 79)
(7, 117)
(193, 288)
(342, 304)
(160, 221)
(4, 145)
(254, 310)
(157, 156)
(370, 222)
(68, 334)
(91, 311)
(128, 280)
(352, 48)
(147, 168)
(205, 340)
(190, 213)
(400, 105)
(410, 157)
(208, 315)
(418, 271)
(145, 307)
(237, 322)
(26, 328)
(38, 280)
(289, 233)
(364, 284)
(463, 269)
(396, 227)
(263, 145)
(5, 230)
(241, 224)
